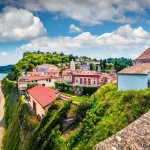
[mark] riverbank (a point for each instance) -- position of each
(2, 103)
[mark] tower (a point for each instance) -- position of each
(72, 65)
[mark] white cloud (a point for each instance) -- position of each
(74, 29)
(90, 12)
(124, 38)
(19, 24)
(55, 18)
(4, 53)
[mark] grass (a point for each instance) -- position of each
(80, 98)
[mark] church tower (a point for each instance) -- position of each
(72, 65)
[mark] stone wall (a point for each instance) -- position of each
(136, 136)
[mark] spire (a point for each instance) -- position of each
(72, 65)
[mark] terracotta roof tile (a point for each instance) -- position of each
(43, 95)
(143, 68)
(144, 55)
(33, 78)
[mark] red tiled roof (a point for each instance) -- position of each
(143, 68)
(43, 95)
(144, 55)
(33, 78)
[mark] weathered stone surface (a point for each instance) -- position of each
(136, 136)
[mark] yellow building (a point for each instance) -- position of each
(40, 97)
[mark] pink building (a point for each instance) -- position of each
(86, 78)
(67, 75)
(53, 73)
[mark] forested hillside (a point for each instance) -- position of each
(31, 60)
(97, 119)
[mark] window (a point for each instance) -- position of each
(49, 80)
(94, 82)
(76, 81)
(89, 81)
(46, 79)
(43, 84)
(84, 80)
(80, 80)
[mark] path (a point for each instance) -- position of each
(2, 102)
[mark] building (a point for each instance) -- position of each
(52, 73)
(72, 65)
(135, 77)
(40, 98)
(30, 74)
(143, 58)
(42, 80)
(86, 78)
(67, 74)
(84, 67)
(45, 68)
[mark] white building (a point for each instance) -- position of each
(135, 77)
(42, 80)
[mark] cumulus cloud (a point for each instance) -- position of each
(4, 53)
(19, 24)
(124, 38)
(74, 29)
(90, 12)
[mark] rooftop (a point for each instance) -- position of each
(144, 55)
(43, 95)
(143, 68)
(33, 78)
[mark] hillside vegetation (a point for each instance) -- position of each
(97, 120)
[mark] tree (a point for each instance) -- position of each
(61, 54)
(92, 67)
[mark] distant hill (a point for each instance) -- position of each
(5, 69)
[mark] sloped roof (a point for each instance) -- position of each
(33, 78)
(143, 68)
(144, 55)
(43, 95)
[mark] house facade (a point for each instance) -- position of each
(40, 98)
(86, 78)
(42, 80)
(52, 73)
(134, 78)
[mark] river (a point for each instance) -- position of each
(2, 75)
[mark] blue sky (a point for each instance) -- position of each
(98, 29)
